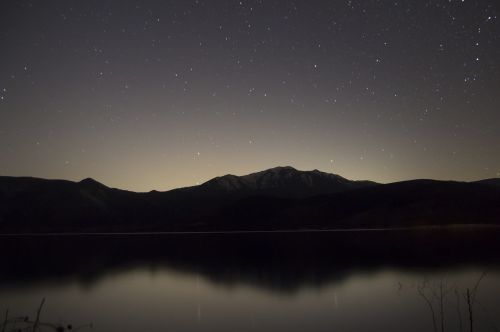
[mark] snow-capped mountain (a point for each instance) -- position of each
(283, 182)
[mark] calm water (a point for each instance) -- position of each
(361, 281)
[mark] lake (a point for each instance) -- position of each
(300, 281)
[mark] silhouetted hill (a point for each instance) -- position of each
(495, 182)
(401, 204)
(284, 182)
(278, 198)
(33, 204)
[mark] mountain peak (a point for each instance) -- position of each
(91, 183)
(283, 181)
(281, 168)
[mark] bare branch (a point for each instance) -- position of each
(5, 320)
(469, 305)
(37, 320)
(441, 305)
(474, 291)
(420, 290)
(459, 311)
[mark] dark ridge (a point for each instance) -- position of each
(494, 182)
(280, 198)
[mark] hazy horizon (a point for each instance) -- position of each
(242, 174)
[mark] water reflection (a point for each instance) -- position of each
(363, 281)
(278, 261)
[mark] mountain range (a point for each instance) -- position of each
(280, 198)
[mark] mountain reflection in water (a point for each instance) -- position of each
(283, 281)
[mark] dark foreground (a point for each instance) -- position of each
(254, 282)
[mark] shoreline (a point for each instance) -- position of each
(284, 231)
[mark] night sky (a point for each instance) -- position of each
(146, 95)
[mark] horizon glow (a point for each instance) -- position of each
(158, 95)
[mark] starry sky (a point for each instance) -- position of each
(146, 95)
